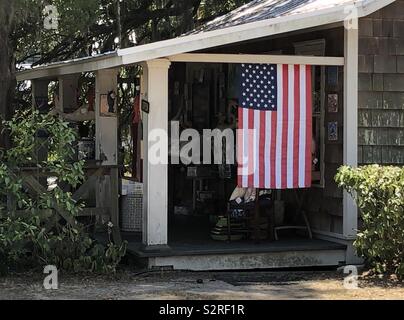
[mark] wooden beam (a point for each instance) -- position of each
(256, 58)
(114, 212)
(93, 212)
(84, 190)
(36, 188)
(44, 214)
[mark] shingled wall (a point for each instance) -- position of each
(381, 86)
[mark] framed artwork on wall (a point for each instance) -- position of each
(145, 106)
(332, 102)
(333, 131)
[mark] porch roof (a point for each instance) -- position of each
(259, 10)
(258, 19)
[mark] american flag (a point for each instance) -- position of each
(275, 126)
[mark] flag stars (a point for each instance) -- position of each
(258, 86)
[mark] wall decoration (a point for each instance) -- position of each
(333, 131)
(108, 106)
(145, 106)
(333, 103)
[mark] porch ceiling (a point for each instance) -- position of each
(258, 19)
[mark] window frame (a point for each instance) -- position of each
(317, 48)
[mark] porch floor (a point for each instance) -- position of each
(190, 236)
(211, 247)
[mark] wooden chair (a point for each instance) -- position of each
(300, 197)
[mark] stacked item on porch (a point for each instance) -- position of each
(245, 199)
(241, 211)
(238, 227)
(221, 231)
(131, 206)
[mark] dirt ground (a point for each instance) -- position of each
(132, 285)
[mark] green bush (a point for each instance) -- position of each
(29, 235)
(379, 193)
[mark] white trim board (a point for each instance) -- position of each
(108, 61)
(253, 58)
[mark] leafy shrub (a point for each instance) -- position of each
(379, 193)
(31, 232)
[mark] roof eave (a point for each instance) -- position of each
(104, 61)
(210, 39)
(249, 31)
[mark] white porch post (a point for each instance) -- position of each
(106, 146)
(106, 127)
(155, 176)
(350, 214)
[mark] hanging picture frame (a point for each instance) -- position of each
(108, 105)
(333, 131)
(332, 102)
(145, 106)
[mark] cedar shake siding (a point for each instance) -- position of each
(381, 86)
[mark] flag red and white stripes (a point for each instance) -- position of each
(274, 145)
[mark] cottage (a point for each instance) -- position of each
(356, 53)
